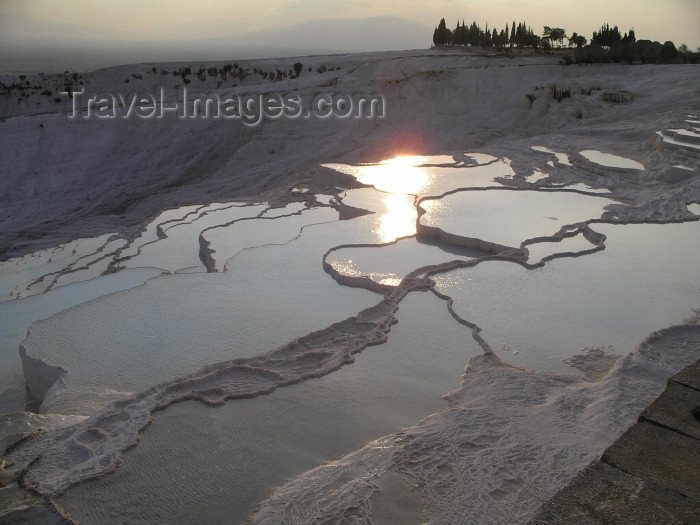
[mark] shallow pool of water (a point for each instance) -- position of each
(410, 175)
(611, 161)
(16, 317)
(216, 465)
(180, 249)
(179, 323)
(508, 217)
(390, 264)
(644, 280)
(199, 464)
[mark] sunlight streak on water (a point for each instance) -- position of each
(397, 175)
(397, 178)
(400, 220)
(405, 160)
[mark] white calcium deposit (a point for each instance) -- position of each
(148, 262)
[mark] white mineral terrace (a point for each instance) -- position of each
(436, 317)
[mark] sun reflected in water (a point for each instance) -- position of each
(399, 219)
(400, 178)
(397, 175)
(391, 280)
(349, 268)
(435, 210)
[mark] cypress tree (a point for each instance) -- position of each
(442, 35)
(474, 34)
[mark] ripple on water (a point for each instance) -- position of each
(16, 317)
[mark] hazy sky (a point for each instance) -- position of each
(676, 20)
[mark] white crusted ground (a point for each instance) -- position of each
(62, 178)
(487, 453)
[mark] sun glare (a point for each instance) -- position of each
(397, 175)
(404, 160)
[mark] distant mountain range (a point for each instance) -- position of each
(385, 33)
(30, 45)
